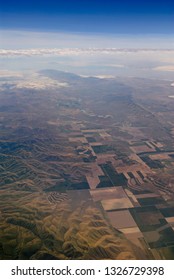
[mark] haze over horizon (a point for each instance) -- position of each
(88, 24)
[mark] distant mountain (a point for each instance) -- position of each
(60, 75)
(93, 84)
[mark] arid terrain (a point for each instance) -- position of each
(86, 168)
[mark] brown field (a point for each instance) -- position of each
(61, 200)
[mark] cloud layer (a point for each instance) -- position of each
(31, 81)
(74, 51)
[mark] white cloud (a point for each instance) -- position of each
(35, 81)
(76, 51)
(41, 84)
(10, 74)
(164, 68)
(104, 76)
(115, 65)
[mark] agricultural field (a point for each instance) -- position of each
(86, 170)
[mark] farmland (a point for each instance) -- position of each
(86, 170)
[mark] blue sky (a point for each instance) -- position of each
(115, 17)
(86, 23)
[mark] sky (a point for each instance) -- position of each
(115, 17)
(35, 28)
(87, 23)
